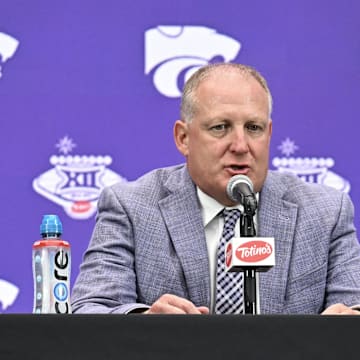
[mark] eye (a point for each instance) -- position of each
(219, 127)
(255, 128)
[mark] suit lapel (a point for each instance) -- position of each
(182, 216)
(277, 218)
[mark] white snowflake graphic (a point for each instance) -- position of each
(288, 147)
(66, 145)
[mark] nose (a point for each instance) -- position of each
(239, 141)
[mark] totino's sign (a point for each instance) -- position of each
(250, 252)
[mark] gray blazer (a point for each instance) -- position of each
(149, 240)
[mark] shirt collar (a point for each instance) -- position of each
(210, 208)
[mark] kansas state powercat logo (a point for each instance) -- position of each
(174, 53)
(313, 170)
(75, 182)
(8, 46)
(8, 294)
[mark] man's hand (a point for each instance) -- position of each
(172, 304)
(340, 309)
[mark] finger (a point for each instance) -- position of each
(164, 308)
(203, 310)
(333, 309)
(172, 304)
(180, 303)
(339, 309)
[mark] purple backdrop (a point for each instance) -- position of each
(89, 94)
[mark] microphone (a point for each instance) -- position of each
(240, 190)
(248, 253)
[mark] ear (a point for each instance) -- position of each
(181, 136)
(270, 128)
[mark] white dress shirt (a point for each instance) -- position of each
(213, 225)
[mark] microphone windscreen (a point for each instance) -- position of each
(239, 186)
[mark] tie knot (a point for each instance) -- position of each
(230, 217)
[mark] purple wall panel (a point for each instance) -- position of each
(87, 99)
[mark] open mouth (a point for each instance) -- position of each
(238, 167)
(235, 169)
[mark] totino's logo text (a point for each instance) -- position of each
(254, 251)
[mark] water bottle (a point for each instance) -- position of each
(51, 261)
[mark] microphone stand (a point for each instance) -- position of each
(247, 229)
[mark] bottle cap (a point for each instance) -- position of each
(51, 224)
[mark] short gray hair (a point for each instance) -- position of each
(189, 100)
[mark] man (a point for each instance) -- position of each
(155, 244)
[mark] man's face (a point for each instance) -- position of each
(229, 134)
